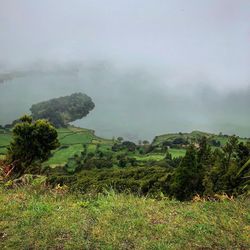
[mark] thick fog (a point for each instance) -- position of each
(151, 67)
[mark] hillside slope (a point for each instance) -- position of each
(52, 219)
(194, 136)
(73, 138)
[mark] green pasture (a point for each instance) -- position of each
(177, 152)
(5, 139)
(72, 140)
(149, 157)
(61, 156)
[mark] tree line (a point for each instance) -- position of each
(202, 170)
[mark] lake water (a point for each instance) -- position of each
(128, 104)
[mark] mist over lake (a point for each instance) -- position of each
(130, 102)
(151, 67)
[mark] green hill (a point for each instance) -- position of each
(72, 140)
(194, 137)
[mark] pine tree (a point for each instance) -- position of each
(186, 176)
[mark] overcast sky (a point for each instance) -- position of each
(184, 40)
(151, 66)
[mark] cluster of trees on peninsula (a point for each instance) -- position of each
(60, 111)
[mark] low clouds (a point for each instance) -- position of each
(190, 57)
(185, 37)
(130, 102)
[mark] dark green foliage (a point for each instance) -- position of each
(180, 140)
(245, 169)
(170, 161)
(32, 141)
(214, 143)
(150, 149)
(175, 143)
(87, 161)
(122, 162)
(202, 171)
(205, 172)
(126, 145)
(204, 161)
(174, 162)
(243, 154)
(229, 150)
(60, 111)
(141, 150)
(96, 163)
(225, 175)
(72, 164)
(129, 145)
(140, 180)
(145, 142)
(120, 139)
(186, 177)
(244, 175)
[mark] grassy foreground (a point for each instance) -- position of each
(49, 219)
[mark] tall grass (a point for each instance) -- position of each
(51, 219)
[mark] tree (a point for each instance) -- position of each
(225, 175)
(229, 149)
(185, 178)
(32, 142)
(120, 139)
(204, 151)
(204, 161)
(145, 142)
(244, 175)
(97, 148)
(243, 154)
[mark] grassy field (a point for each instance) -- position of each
(61, 156)
(72, 140)
(158, 156)
(5, 139)
(71, 136)
(31, 219)
(177, 152)
(150, 157)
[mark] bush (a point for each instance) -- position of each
(140, 180)
(32, 141)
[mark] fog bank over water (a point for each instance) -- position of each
(151, 67)
(130, 102)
